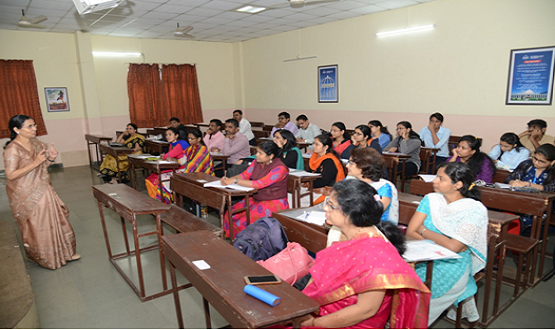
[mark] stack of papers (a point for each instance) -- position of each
(423, 250)
(303, 173)
(140, 156)
(315, 217)
(218, 184)
(427, 177)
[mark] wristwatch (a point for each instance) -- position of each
(236, 180)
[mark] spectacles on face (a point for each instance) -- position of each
(351, 162)
(328, 203)
(357, 133)
(541, 161)
(399, 128)
(31, 126)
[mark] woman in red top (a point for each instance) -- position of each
(340, 136)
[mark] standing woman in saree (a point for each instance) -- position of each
(453, 217)
(269, 175)
(40, 214)
(132, 140)
(363, 282)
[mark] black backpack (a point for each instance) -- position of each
(262, 239)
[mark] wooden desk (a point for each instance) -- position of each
(222, 284)
(500, 175)
(187, 184)
(156, 131)
(534, 204)
(153, 166)
(221, 157)
(157, 146)
(497, 235)
(128, 203)
(312, 237)
(116, 152)
(294, 185)
(93, 139)
(402, 159)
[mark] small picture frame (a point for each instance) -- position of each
(328, 84)
(57, 99)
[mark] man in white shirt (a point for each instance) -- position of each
(307, 131)
(244, 126)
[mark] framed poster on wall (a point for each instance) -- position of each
(56, 99)
(328, 84)
(531, 76)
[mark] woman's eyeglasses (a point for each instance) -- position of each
(328, 203)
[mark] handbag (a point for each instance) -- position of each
(291, 264)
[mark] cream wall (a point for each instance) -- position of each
(97, 87)
(459, 68)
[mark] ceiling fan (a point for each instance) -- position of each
(182, 32)
(31, 23)
(302, 3)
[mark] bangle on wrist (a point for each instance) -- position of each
(422, 232)
(236, 180)
(51, 160)
(529, 184)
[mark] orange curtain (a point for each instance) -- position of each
(19, 94)
(182, 97)
(144, 91)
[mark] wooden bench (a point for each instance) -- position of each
(500, 175)
(183, 221)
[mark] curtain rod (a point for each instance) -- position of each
(159, 63)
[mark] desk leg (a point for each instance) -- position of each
(89, 153)
(161, 252)
(296, 323)
(248, 210)
(499, 279)
(207, 313)
(125, 235)
(134, 180)
(138, 256)
(429, 274)
(489, 275)
(403, 175)
(311, 193)
(176, 297)
(103, 222)
(230, 220)
(544, 242)
(160, 185)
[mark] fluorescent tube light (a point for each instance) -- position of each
(250, 9)
(116, 54)
(407, 30)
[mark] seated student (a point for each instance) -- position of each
(509, 152)
(367, 165)
(175, 123)
(194, 158)
(340, 136)
(436, 136)
(361, 138)
(355, 285)
(214, 139)
(284, 122)
(109, 168)
(407, 142)
(380, 132)
(326, 161)
(307, 131)
(537, 172)
(468, 152)
(291, 156)
(268, 175)
(244, 126)
(236, 146)
(453, 217)
(535, 135)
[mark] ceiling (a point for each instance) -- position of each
(212, 20)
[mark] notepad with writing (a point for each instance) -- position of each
(218, 184)
(423, 250)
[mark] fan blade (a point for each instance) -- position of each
(185, 29)
(38, 19)
(26, 24)
(310, 3)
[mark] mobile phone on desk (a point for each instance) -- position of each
(262, 279)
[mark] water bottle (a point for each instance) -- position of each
(203, 211)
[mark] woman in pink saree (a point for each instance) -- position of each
(40, 214)
(362, 281)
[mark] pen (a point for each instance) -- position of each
(306, 215)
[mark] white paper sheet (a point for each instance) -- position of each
(421, 250)
(140, 156)
(502, 185)
(218, 184)
(303, 173)
(315, 217)
(427, 177)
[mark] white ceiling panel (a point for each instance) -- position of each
(212, 20)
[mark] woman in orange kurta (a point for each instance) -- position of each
(40, 214)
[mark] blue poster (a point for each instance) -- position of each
(327, 84)
(531, 76)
